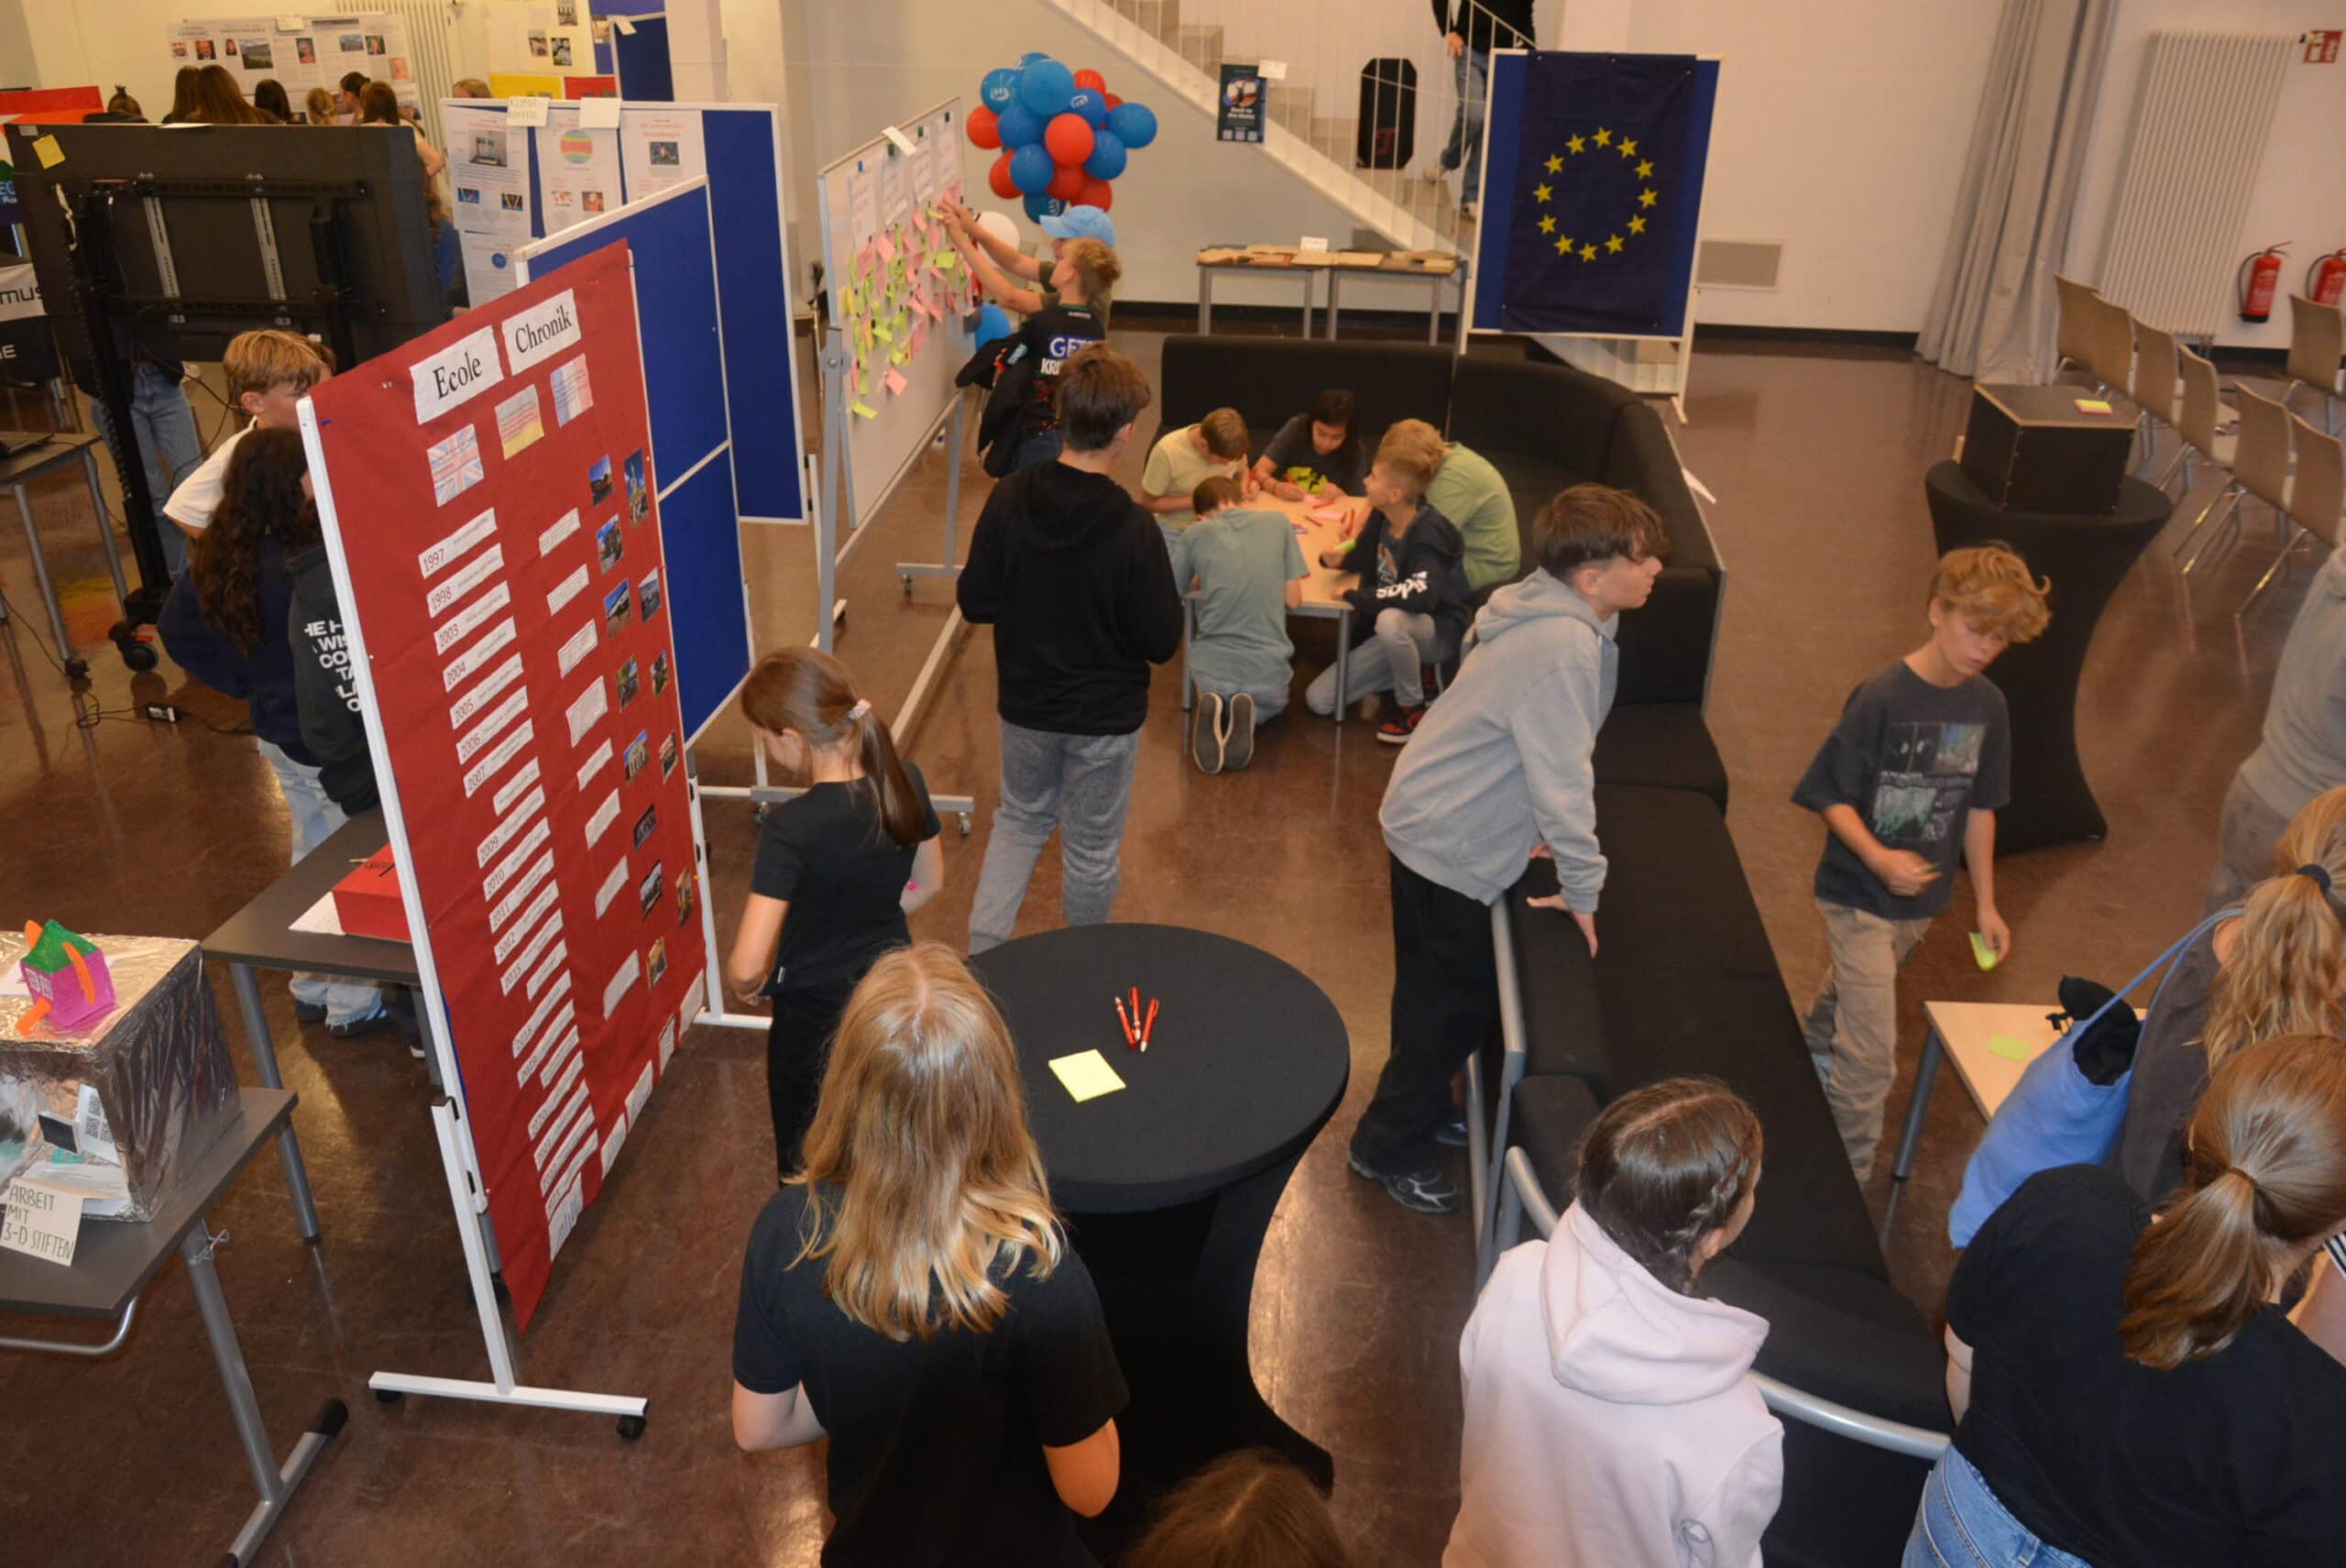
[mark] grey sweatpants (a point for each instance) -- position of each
(1392, 660)
(2245, 843)
(1080, 785)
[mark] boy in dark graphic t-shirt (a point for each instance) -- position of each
(1915, 773)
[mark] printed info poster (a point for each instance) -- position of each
(491, 490)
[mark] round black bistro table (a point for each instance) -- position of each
(1169, 1183)
(2086, 555)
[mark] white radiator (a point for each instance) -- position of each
(2202, 115)
(430, 49)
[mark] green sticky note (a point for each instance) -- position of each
(2008, 1049)
(860, 411)
(880, 331)
(1982, 953)
(949, 260)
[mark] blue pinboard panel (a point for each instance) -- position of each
(760, 354)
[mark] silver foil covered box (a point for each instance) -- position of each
(159, 1061)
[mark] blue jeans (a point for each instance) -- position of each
(314, 816)
(1472, 73)
(163, 429)
(1043, 446)
(1080, 785)
(1961, 1525)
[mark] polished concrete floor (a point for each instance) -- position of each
(1817, 460)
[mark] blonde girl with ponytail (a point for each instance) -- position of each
(2277, 967)
(2127, 1391)
(839, 868)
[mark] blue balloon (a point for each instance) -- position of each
(1019, 126)
(1090, 103)
(1108, 157)
(993, 323)
(1134, 124)
(1041, 207)
(999, 89)
(1030, 57)
(1045, 86)
(1031, 169)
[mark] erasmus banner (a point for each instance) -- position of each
(1593, 192)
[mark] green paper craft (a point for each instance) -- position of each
(898, 355)
(857, 407)
(880, 331)
(2008, 1049)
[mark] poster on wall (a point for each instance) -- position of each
(578, 170)
(545, 37)
(488, 171)
(496, 531)
(1240, 117)
(660, 148)
(299, 53)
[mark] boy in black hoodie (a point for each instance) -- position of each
(1073, 578)
(1409, 609)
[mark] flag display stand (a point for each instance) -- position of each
(1594, 179)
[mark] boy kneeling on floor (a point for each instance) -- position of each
(1249, 572)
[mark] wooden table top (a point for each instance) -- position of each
(1323, 591)
(1969, 1028)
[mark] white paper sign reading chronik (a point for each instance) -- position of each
(463, 371)
(545, 329)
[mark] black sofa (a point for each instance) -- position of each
(1543, 426)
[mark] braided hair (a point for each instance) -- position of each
(1664, 1166)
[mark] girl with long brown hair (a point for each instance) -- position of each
(911, 1296)
(839, 868)
(2277, 967)
(2127, 1391)
(220, 101)
(228, 623)
(1611, 1416)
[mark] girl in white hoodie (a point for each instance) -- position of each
(1611, 1418)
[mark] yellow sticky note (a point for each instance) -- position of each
(899, 354)
(880, 331)
(1087, 1075)
(858, 409)
(49, 152)
(1982, 954)
(949, 260)
(2008, 1049)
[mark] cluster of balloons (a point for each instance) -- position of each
(1063, 135)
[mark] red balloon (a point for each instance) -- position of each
(982, 128)
(1069, 181)
(1092, 79)
(998, 178)
(1067, 138)
(1111, 97)
(1096, 193)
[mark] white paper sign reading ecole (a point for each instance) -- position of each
(461, 371)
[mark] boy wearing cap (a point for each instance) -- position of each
(1076, 223)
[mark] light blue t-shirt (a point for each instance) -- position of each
(1243, 562)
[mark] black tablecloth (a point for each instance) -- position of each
(2086, 556)
(1170, 1184)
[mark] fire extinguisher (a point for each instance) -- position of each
(2260, 275)
(2325, 278)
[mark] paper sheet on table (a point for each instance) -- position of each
(320, 919)
(2008, 1049)
(1327, 514)
(1086, 1075)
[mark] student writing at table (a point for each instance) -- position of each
(1315, 454)
(1183, 459)
(1249, 571)
(839, 868)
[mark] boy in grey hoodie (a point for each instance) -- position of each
(1498, 772)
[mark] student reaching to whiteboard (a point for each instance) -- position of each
(1076, 223)
(1073, 318)
(839, 868)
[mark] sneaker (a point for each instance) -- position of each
(1400, 724)
(1433, 173)
(1465, 211)
(1424, 1191)
(1452, 1133)
(1238, 743)
(310, 1011)
(355, 1028)
(1205, 734)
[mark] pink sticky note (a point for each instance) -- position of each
(920, 220)
(895, 382)
(920, 331)
(887, 248)
(865, 261)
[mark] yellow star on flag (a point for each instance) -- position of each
(1547, 223)
(1629, 147)
(1603, 137)
(1555, 163)
(1589, 253)
(1613, 245)
(1636, 226)
(1542, 192)
(1644, 198)
(1645, 169)
(1576, 144)
(1565, 246)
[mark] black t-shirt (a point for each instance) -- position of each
(1294, 459)
(2239, 1458)
(825, 853)
(936, 1446)
(1914, 760)
(1056, 334)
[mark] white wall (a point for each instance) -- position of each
(2300, 192)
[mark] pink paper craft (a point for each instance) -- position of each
(864, 261)
(920, 220)
(895, 382)
(887, 248)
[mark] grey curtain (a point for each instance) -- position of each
(1992, 310)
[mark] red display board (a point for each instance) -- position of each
(45, 103)
(492, 490)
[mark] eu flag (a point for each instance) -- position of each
(1595, 181)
